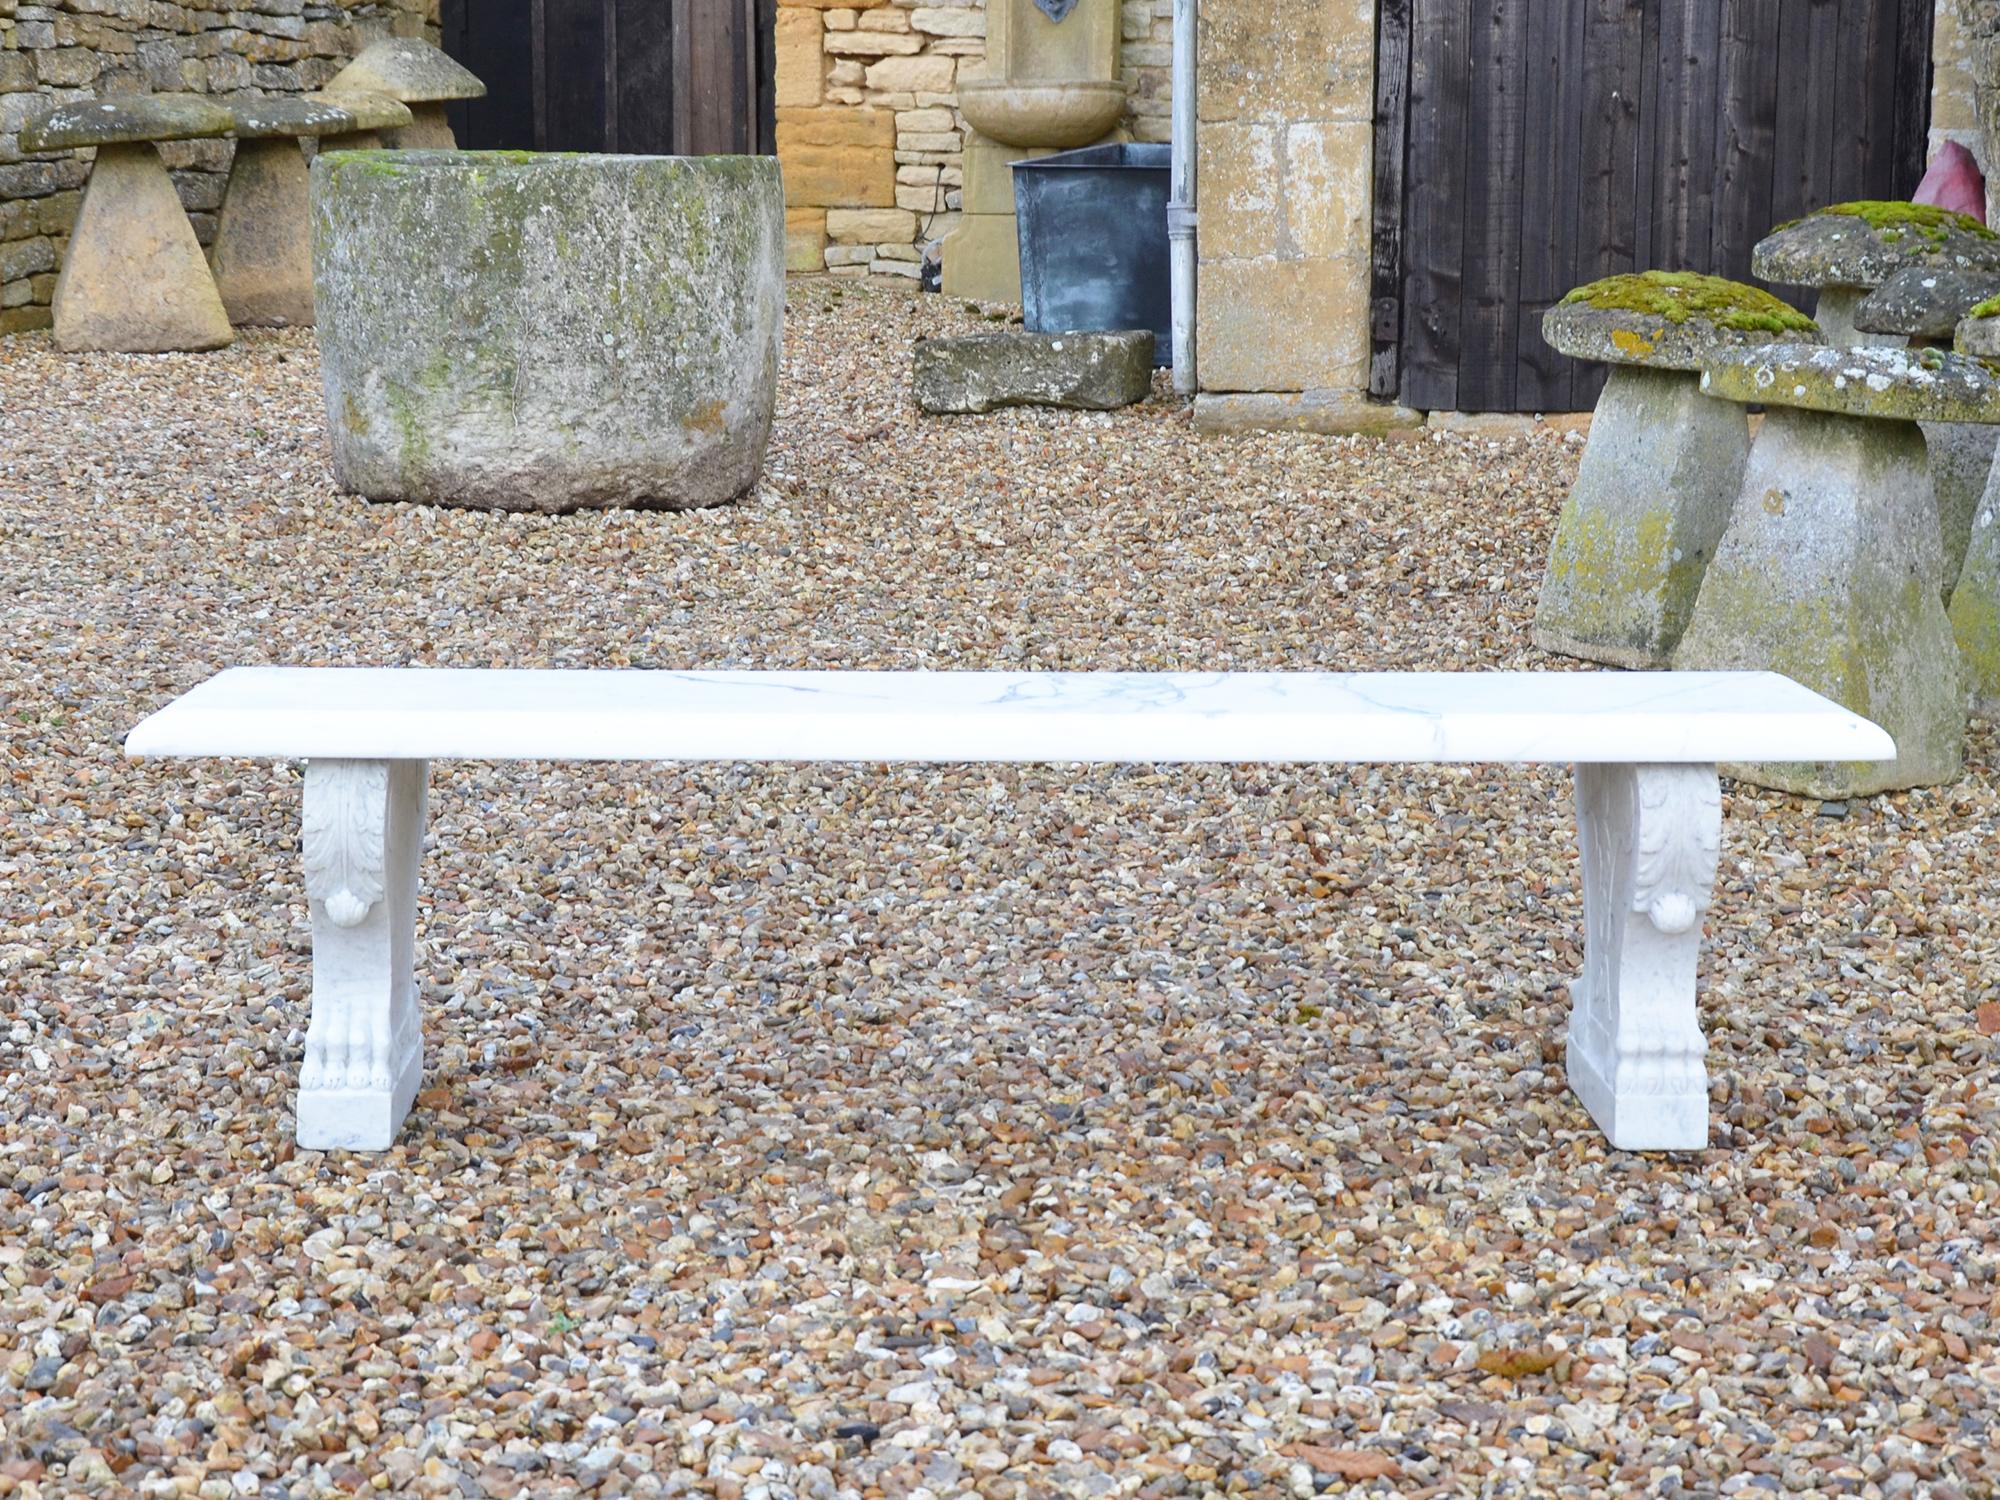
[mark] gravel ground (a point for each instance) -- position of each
(932, 1132)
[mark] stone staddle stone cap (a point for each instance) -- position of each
(142, 117)
(1979, 335)
(364, 111)
(1864, 244)
(1668, 320)
(406, 69)
(300, 115)
(1896, 385)
(1925, 302)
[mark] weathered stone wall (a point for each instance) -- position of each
(1287, 102)
(1961, 44)
(82, 48)
(869, 131)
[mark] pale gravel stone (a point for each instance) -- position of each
(1262, 1063)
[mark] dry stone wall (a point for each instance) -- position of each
(85, 48)
(869, 131)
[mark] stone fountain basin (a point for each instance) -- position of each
(1058, 113)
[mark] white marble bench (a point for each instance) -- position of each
(1645, 747)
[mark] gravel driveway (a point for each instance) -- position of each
(931, 1132)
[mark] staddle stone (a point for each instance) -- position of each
(1847, 249)
(133, 279)
(986, 371)
(1661, 468)
(548, 333)
(262, 254)
(1828, 570)
(418, 75)
(140, 117)
(1925, 302)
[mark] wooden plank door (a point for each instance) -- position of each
(1527, 146)
(660, 77)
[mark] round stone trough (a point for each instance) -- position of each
(548, 332)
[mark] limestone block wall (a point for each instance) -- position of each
(1965, 85)
(83, 48)
(1286, 107)
(869, 132)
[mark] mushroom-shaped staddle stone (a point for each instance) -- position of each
(1975, 599)
(1828, 571)
(420, 76)
(1660, 472)
(1849, 249)
(1924, 304)
(133, 277)
(263, 244)
(548, 332)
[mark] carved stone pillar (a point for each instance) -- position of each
(364, 827)
(1651, 837)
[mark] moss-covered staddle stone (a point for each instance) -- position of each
(1661, 469)
(1947, 393)
(1848, 249)
(1978, 332)
(1829, 570)
(548, 333)
(1924, 302)
(1894, 385)
(418, 75)
(1668, 320)
(133, 277)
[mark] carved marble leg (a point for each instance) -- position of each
(364, 826)
(1651, 836)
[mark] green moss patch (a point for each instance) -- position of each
(1679, 295)
(1926, 219)
(1990, 308)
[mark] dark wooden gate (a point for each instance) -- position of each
(1524, 147)
(664, 77)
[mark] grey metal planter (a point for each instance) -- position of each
(1094, 255)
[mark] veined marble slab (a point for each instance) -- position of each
(416, 713)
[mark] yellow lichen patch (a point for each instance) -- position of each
(1638, 345)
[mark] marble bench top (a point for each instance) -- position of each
(415, 713)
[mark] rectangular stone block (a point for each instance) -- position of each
(913, 75)
(1276, 325)
(873, 43)
(1242, 191)
(799, 60)
(847, 226)
(838, 157)
(805, 238)
(1329, 189)
(1287, 60)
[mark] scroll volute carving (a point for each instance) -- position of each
(344, 837)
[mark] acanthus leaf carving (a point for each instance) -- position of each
(345, 835)
(1679, 846)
